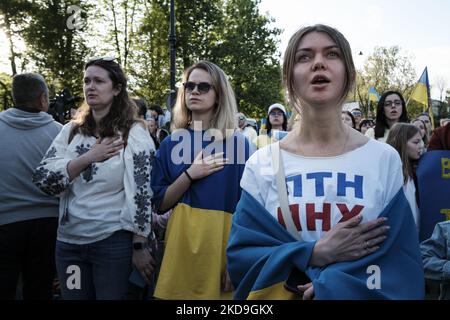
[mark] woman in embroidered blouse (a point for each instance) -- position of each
(99, 166)
(193, 175)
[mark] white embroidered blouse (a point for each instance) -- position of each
(107, 196)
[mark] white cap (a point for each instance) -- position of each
(277, 106)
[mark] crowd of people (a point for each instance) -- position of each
(130, 201)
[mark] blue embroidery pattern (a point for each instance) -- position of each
(50, 153)
(52, 183)
(141, 162)
(92, 169)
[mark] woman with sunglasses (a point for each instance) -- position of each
(276, 121)
(391, 109)
(196, 172)
(322, 195)
(99, 166)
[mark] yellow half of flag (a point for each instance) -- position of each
(373, 97)
(420, 94)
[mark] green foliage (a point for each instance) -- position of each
(248, 54)
(151, 55)
(230, 33)
(5, 91)
(58, 52)
(199, 29)
(13, 16)
(385, 69)
(414, 109)
(121, 20)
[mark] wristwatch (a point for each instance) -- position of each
(139, 245)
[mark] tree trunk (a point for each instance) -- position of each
(116, 31)
(12, 53)
(5, 95)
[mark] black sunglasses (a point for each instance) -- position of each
(202, 87)
(108, 58)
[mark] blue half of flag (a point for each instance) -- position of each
(424, 77)
(262, 255)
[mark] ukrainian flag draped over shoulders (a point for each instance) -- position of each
(262, 254)
(198, 229)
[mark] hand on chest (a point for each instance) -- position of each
(110, 169)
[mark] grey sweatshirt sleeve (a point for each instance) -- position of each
(435, 253)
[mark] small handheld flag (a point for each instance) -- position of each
(373, 95)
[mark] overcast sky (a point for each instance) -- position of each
(421, 28)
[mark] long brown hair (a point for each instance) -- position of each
(381, 121)
(398, 137)
(122, 114)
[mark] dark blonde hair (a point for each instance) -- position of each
(398, 137)
(225, 108)
(425, 138)
(122, 115)
(289, 60)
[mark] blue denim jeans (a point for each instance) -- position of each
(98, 270)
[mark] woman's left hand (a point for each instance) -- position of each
(227, 286)
(145, 263)
(307, 291)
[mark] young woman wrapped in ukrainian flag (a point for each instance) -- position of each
(352, 234)
(197, 171)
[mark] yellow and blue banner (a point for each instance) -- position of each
(433, 176)
(262, 255)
